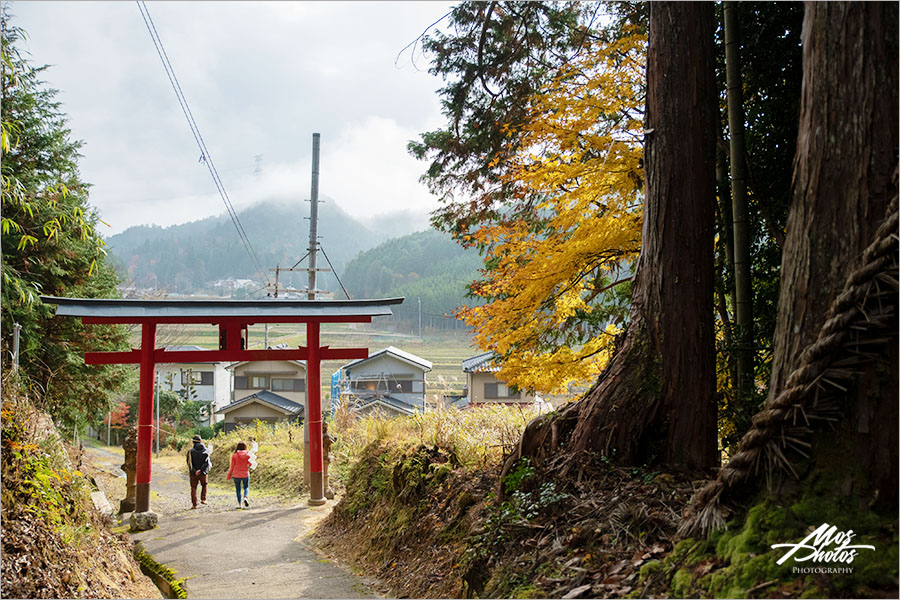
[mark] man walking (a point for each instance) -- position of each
(199, 465)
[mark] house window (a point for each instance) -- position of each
(240, 382)
(288, 385)
(499, 391)
(260, 382)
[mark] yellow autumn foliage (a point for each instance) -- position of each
(577, 222)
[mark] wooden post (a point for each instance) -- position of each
(314, 418)
(145, 417)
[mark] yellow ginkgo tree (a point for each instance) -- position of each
(556, 257)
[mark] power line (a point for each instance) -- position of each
(205, 156)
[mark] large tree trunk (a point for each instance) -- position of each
(846, 157)
(844, 178)
(656, 400)
(836, 334)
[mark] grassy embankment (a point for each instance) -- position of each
(425, 512)
(421, 508)
(55, 543)
(416, 490)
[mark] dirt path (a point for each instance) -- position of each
(261, 552)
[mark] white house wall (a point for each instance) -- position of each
(288, 369)
(219, 393)
(222, 385)
(205, 393)
(279, 369)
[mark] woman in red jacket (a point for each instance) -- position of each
(240, 471)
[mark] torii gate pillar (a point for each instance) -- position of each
(145, 417)
(314, 402)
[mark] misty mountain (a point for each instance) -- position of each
(192, 257)
(425, 267)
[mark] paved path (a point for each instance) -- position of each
(221, 552)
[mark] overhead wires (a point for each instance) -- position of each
(205, 156)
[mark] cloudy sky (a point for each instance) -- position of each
(260, 78)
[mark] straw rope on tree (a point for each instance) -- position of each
(860, 320)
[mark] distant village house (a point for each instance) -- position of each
(390, 382)
(484, 388)
(206, 382)
(268, 391)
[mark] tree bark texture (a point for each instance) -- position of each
(845, 173)
(655, 402)
(836, 353)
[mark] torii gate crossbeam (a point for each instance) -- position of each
(232, 317)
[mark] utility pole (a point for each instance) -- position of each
(314, 218)
(311, 287)
(420, 316)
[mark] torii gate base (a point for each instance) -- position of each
(233, 317)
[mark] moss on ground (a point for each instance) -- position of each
(739, 560)
(176, 586)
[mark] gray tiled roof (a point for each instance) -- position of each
(396, 403)
(480, 364)
(267, 397)
(417, 360)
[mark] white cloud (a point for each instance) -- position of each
(369, 171)
(366, 169)
(260, 79)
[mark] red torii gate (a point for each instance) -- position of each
(232, 317)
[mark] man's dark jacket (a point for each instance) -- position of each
(198, 459)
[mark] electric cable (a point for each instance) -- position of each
(205, 156)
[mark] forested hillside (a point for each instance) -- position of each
(426, 265)
(190, 258)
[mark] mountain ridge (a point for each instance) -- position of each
(190, 257)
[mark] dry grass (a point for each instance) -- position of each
(477, 436)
